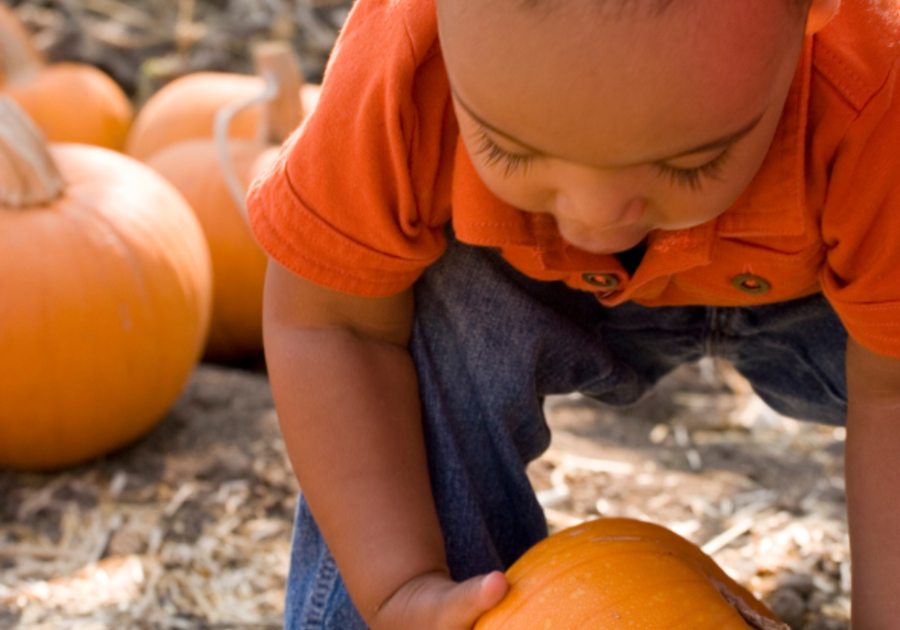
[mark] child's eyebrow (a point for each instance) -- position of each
(718, 143)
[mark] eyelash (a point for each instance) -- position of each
(688, 177)
(693, 177)
(495, 154)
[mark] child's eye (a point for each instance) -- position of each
(693, 177)
(494, 154)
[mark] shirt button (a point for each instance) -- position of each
(606, 281)
(748, 283)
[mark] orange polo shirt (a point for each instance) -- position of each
(358, 197)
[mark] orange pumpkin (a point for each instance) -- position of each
(195, 167)
(185, 109)
(69, 101)
(106, 289)
(623, 574)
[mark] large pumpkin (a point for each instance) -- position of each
(69, 101)
(623, 574)
(105, 293)
(195, 167)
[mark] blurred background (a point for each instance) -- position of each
(188, 525)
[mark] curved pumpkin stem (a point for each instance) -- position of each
(285, 111)
(220, 137)
(277, 64)
(28, 175)
(19, 59)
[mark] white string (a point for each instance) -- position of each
(221, 125)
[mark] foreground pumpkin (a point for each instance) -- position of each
(185, 109)
(105, 293)
(214, 177)
(69, 101)
(623, 574)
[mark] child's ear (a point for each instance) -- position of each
(820, 12)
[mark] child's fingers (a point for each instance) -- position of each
(493, 589)
(474, 597)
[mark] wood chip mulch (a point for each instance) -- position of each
(190, 527)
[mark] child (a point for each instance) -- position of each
(570, 196)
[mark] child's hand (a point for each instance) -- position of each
(435, 602)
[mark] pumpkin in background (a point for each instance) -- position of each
(185, 109)
(623, 574)
(213, 175)
(105, 293)
(69, 101)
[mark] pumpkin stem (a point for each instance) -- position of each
(753, 618)
(19, 58)
(285, 111)
(28, 175)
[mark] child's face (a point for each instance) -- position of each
(619, 123)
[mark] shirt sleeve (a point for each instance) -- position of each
(861, 225)
(358, 195)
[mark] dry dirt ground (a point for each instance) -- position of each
(189, 527)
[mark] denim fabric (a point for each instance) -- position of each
(489, 344)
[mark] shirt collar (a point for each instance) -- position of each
(774, 204)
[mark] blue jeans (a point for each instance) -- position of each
(489, 344)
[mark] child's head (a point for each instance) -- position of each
(618, 117)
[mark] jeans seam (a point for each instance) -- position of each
(318, 600)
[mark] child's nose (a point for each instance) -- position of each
(598, 207)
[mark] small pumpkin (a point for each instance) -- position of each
(623, 574)
(69, 101)
(105, 297)
(186, 108)
(213, 175)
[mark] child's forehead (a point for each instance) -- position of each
(663, 71)
(610, 12)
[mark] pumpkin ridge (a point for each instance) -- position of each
(657, 585)
(90, 229)
(588, 624)
(126, 254)
(698, 579)
(80, 210)
(549, 577)
(577, 541)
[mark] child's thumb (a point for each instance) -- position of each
(476, 596)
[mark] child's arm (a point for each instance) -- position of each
(873, 487)
(347, 397)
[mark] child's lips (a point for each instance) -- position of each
(606, 242)
(625, 233)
